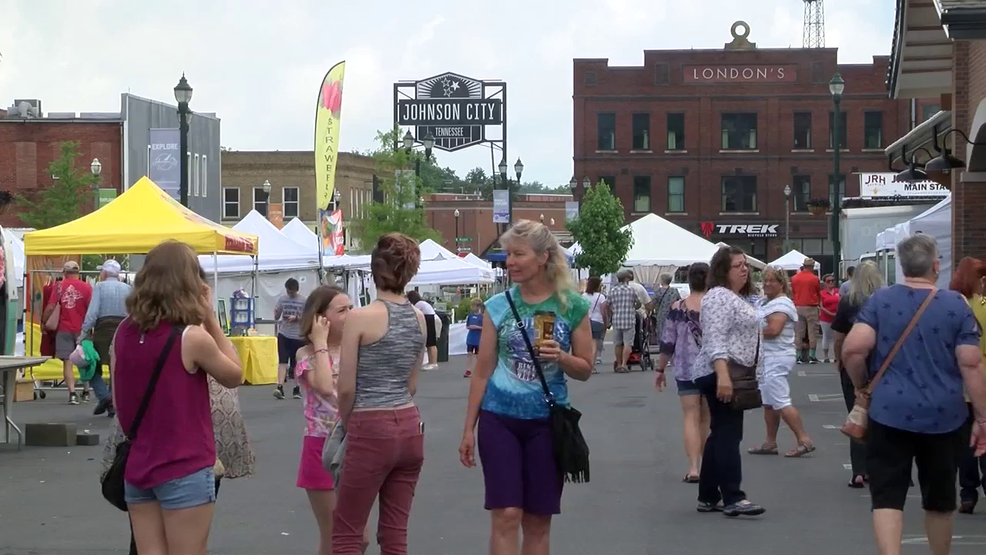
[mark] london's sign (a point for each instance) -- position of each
(745, 230)
(692, 74)
(453, 108)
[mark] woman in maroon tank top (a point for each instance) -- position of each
(169, 476)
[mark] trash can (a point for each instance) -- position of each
(443, 336)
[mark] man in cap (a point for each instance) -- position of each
(807, 291)
(106, 310)
(73, 296)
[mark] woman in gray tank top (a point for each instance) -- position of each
(382, 347)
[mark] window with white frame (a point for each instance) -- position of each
(205, 176)
(231, 203)
(290, 204)
(195, 175)
(260, 201)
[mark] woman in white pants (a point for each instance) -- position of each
(778, 315)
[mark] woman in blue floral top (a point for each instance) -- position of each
(682, 340)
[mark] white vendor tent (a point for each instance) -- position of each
(297, 231)
(17, 251)
(476, 261)
(431, 250)
(454, 271)
(275, 251)
(935, 222)
(793, 261)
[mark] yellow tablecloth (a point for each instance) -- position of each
(259, 357)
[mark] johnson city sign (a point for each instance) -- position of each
(745, 230)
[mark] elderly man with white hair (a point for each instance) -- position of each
(107, 309)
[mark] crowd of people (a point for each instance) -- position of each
(356, 372)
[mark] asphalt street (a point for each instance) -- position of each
(635, 504)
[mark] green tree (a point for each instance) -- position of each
(401, 211)
(598, 231)
(60, 203)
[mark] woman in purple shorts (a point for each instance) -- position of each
(523, 483)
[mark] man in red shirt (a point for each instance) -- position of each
(807, 291)
(73, 295)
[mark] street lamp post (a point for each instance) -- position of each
(183, 94)
(787, 218)
(266, 187)
(336, 197)
(96, 167)
(456, 214)
(836, 87)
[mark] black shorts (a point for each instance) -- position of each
(890, 453)
(287, 350)
(472, 349)
(431, 338)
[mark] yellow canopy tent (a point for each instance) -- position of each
(136, 222)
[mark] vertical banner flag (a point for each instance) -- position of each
(501, 206)
(330, 231)
(327, 114)
(163, 164)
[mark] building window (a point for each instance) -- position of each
(607, 132)
(641, 193)
(873, 130)
(739, 131)
(260, 201)
(641, 132)
(676, 131)
(739, 193)
(801, 192)
(662, 73)
(590, 79)
(928, 111)
(195, 175)
(608, 179)
(843, 124)
(818, 73)
(290, 204)
(842, 189)
(205, 176)
(231, 203)
(676, 194)
(802, 130)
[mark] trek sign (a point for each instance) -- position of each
(744, 230)
(454, 109)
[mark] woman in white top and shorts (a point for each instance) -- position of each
(432, 325)
(597, 315)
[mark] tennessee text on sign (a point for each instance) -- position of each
(163, 167)
(887, 185)
(744, 230)
(328, 110)
(453, 108)
(740, 74)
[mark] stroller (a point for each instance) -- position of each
(640, 354)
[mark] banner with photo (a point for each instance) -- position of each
(330, 230)
(501, 206)
(328, 112)
(164, 161)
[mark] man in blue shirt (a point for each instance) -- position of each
(107, 309)
(917, 410)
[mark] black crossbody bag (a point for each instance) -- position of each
(112, 484)
(570, 449)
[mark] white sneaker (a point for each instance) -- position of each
(429, 367)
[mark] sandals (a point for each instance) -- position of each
(858, 482)
(800, 451)
(690, 479)
(765, 449)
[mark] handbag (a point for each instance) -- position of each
(569, 446)
(51, 322)
(858, 420)
(112, 483)
(334, 451)
(746, 386)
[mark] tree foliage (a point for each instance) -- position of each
(402, 210)
(598, 231)
(73, 187)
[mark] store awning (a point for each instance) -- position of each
(963, 19)
(923, 135)
(136, 222)
(921, 53)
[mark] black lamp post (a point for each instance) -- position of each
(183, 94)
(787, 217)
(428, 142)
(96, 167)
(836, 87)
(456, 214)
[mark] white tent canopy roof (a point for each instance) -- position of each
(275, 251)
(431, 250)
(476, 261)
(793, 260)
(297, 231)
(659, 242)
(453, 271)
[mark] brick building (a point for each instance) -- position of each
(713, 136)
(30, 142)
(292, 178)
(939, 50)
(475, 228)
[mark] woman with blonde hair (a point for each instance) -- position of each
(523, 482)
(778, 315)
(162, 356)
(865, 281)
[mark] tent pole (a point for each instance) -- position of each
(318, 235)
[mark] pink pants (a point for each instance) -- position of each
(384, 454)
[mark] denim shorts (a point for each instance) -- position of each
(686, 388)
(198, 488)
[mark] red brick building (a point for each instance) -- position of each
(939, 50)
(29, 144)
(713, 136)
(475, 228)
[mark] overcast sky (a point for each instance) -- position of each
(258, 64)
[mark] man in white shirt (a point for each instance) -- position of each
(642, 296)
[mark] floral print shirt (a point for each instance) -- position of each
(682, 339)
(730, 331)
(320, 412)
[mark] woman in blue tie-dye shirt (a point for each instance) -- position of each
(523, 483)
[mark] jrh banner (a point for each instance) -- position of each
(327, 115)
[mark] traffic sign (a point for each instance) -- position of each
(463, 239)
